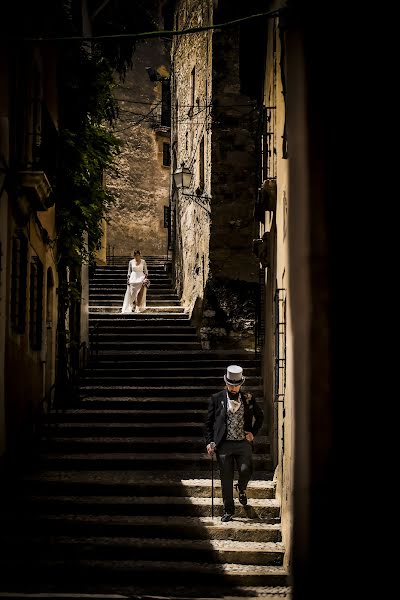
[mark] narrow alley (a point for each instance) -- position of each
(182, 236)
(120, 492)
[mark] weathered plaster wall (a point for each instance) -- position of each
(26, 374)
(279, 410)
(142, 188)
(29, 373)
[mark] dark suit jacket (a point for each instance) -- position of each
(215, 427)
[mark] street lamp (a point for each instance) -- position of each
(182, 177)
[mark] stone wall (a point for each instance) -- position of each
(142, 187)
(234, 173)
(191, 93)
(224, 298)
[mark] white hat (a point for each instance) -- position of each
(234, 375)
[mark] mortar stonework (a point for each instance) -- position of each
(191, 109)
(142, 187)
(215, 269)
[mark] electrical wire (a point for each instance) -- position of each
(149, 34)
(140, 120)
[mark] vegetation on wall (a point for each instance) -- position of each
(87, 149)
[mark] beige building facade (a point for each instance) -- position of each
(28, 304)
(272, 211)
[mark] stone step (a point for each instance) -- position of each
(159, 404)
(164, 359)
(118, 301)
(259, 477)
(183, 380)
(122, 276)
(121, 339)
(159, 368)
(123, 267)
(145, 443)
(135, 572)
(123, 264)
(145, 345)
(117, 483)
(119, 272)
(130, 430)
(265, 509)
(122, 548)
(121, 319)
(150, 324)
(108, 410)
(153, 310)
(197, 357)
(139, 526)
(120, 288)
(148, 334)
(172, 391)
(155, 323)
(115, 296)
(124, 460)
(121, 281)
(122, 271)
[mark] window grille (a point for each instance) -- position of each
(201, 165)
(166, 155)
(19, 260)
(259, 329)
(192, 91)
(280, 344)
(166, 103)
(268, 143)
(36, 304)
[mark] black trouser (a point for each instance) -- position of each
(228, 453)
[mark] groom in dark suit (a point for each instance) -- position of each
(233, 420)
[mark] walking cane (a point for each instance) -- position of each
(212, 485)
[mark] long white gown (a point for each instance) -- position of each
(135, 295)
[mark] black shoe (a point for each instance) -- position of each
(226, 517)
(242, 495)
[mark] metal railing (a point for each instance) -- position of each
(280, 344)
(110, 254)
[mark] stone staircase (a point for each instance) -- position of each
(108, 286)
(118, 499)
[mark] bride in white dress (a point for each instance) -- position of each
(135, 295)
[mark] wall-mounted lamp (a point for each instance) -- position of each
(182, 177)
